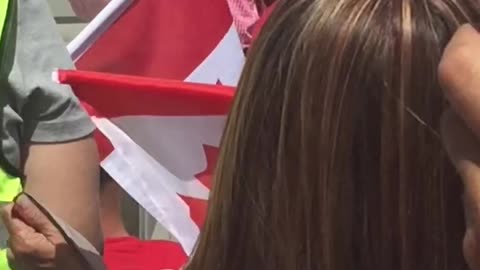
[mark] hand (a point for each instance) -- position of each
(463, 148)
(35, 243)
(459, 74)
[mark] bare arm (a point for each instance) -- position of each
(65, 178)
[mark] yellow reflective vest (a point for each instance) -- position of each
(10, 186)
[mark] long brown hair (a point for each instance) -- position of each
(331, 158)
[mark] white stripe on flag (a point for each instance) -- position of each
(139, 174)
(157, 158)
(176, 143)
(225, 62)
(97, 27)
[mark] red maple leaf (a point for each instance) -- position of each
(198, 208)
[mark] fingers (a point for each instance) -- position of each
(459, 75)
(471, 249)
(14, 225)
(31, 233)
(462, 146)
(29, 213)
(24, 241)
(464, 151)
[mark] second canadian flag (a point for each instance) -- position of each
(162, 135)
(163, 138)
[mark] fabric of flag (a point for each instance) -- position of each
(163, 138)
(181, 40)
(160, 146)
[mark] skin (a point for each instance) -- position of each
(459, 74)
(34, 242)
(30, 249)
(70, 171)
(111, 211)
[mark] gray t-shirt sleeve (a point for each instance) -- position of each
(38, 109)
(51, 112)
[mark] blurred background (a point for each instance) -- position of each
(138, 221)
(68, 23)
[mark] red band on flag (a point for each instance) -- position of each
(160, 38)
(115, 95)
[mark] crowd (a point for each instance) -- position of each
(337, 153)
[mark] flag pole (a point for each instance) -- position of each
(78, 46)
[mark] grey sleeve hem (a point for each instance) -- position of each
(64, 131)
(50, 112)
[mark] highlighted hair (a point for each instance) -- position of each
(330, 159)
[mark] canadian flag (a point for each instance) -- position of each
(181, 40)
(161, 137)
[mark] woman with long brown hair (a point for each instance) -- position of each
(331, 158)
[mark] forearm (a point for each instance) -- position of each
(65, 178)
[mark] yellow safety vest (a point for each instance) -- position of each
(3, 14)
(10, 186)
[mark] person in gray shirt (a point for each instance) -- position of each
(45, 134)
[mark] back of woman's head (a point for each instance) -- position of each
(331, 158)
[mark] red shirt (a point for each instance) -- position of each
(130, 253)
